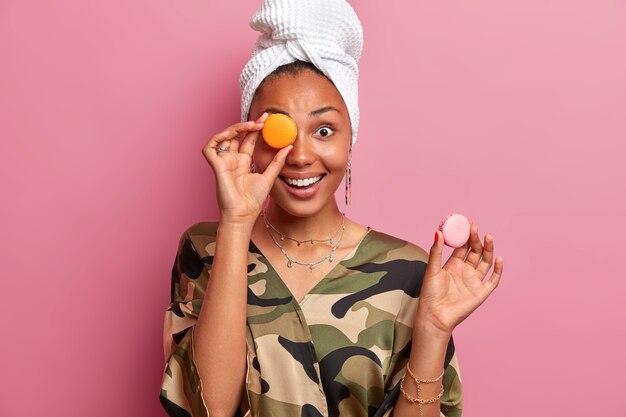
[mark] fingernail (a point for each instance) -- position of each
(290, 150)
(436, 236)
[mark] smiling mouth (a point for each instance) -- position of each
(302, 184)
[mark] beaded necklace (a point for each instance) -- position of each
(311, 265)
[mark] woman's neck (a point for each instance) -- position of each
(320, 225)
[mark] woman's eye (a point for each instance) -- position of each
(325, 131)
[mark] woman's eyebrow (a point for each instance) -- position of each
(312, 114)
(323, 110)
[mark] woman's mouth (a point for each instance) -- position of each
(302, 183)
(302, 187)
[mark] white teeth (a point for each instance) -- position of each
(303, 182)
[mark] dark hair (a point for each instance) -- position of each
(293, 68)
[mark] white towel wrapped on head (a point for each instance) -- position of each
(326, 33)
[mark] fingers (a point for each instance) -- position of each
(487, 259)
(473, 256)
(248, 143)
(274, 168)
(234, 146)
(228, 138)
(485, 264)
(494, 280)
(461, 251)
(434, 257)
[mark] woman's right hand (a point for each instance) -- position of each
(241, 193)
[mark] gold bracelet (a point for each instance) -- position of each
(425, 381)
(419, 400)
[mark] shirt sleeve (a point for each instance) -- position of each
(181, 392)
(451, 402)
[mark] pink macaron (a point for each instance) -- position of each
(455, 229)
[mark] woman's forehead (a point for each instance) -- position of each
(305, 91)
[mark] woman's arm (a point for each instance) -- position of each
(448, 295)
(428, 351)
(219, 340)
(220, 333)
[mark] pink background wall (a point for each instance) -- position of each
(104, 109)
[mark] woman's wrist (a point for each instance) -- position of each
(235, 228)
(426, 362)
(429, 328)
(237, 223)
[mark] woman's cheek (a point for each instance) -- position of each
(335, 158)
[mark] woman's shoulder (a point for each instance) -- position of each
(396, 247)
(202, 229)
(401, 262)
(201, 236)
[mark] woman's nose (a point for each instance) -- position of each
(302, 153)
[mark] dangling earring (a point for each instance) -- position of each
(349, 178)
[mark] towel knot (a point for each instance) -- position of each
(326, 33)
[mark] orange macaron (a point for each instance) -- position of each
(279, 130)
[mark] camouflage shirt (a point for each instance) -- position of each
(340, 351)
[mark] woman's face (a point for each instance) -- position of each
(321, 148)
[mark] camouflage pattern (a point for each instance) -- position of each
(340, 351)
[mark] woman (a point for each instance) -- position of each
(294, 309)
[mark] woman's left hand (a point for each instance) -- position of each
(450, 294)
